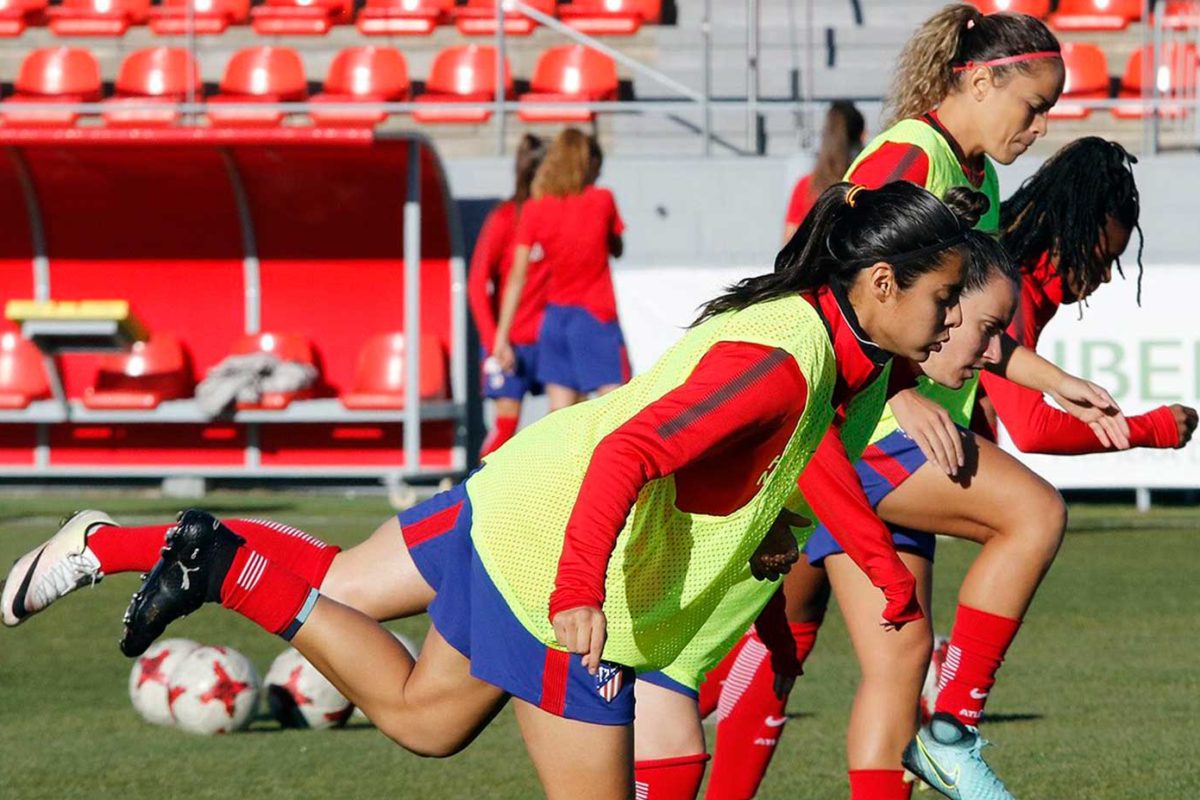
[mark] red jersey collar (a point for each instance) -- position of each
(975, 168)
(859, 360)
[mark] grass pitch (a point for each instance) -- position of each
(1099, 697)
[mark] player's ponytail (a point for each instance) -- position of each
(953, 40)
(849, 229)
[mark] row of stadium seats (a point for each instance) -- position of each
(1088, 79)
(160, 369)
(1095, 15)
(317, 17)
(164, 76)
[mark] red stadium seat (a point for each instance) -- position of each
(1174, 77)
(141, 379)
(16, 15)
(22, 373)
(478, 18)
(1181, 14)
(207, 16)
(286, 347)
(97, 17)
(258, 75)
(52, 75)
(158, 75)
(1087, 79)
(1095, 15)
(404, 17)
(610, 17)
(466, 73)
(300, 17)
(381, 378)
(363, 75)
(570, 73)
(1034, 8)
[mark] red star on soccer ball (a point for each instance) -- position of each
(151, 668)
(226, 690)
(293, 687)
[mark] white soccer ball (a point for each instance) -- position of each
(299, 696)
(150, 674)
(213, 690)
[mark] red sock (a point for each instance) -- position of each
(137, 549)
(505, 428)
(266, 593)
(751, 716)
(879, 784)
(978, 643)
(669, 778)
(714, 680)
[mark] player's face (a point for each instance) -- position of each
(1114, 238)
(976, 343)
(916, 321)
(1013, 113)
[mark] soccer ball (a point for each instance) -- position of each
(299, 696)
(213, 690)
(149, 676)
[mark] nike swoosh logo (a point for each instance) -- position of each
(19, 610)
(949, 782)
(775, 722)
(978, 695)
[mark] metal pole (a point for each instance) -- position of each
(752, 76)
(191, 48)
(1150, 35)
(412, 310)
(501, 122)
(706, 103)
(810, 56)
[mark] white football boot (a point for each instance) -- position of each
(57, 568)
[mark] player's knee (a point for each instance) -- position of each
(904, 660)
(1045, 522)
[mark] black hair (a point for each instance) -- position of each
(987, 260)
(900, 224)
(530, 153)
(1061, 210)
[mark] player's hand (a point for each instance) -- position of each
(1093, 404)
(1185, 419)
(778, 550)
(582, 630)
(930, 426)
(504, 355)
(902, 606)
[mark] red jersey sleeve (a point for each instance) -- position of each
(616, 225)
(893, 161)
(736, 390)
(483, 278)
(834, 492)
(801, 203)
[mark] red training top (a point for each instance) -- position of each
(801, 203)
(1036, 426)
(573, 234)
(717, 433)
(490, 265)
(898, 161)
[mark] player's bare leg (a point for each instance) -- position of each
(668, 724)
(561, 396)
(577, 760)
(606, 388)
(378, 576)
(806, 592)
(883, 718)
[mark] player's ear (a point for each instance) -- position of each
(881, 281)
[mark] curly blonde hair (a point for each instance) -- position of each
(955, 36)
(564, 170)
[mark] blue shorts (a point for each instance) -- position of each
(474, 618)
(518, 383)
(883, 466)
(579, 351)
(660, 679)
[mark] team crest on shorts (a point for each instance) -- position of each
(609, 680)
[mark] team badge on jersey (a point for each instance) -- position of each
(609, 679)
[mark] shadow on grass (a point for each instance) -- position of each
(268, 725)
(993, 719)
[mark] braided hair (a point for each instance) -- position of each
(1062, 209)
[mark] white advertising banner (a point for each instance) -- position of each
(1147, 356)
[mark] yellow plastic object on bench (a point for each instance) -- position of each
(61, 325)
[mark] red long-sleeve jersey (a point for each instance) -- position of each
(1033, 424)
(490, 265)
(717, 433)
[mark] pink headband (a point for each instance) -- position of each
(999, 62)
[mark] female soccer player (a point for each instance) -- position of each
(490, 265)
(841, 141)
(574, 226)
(969, 89)
(627, 504)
